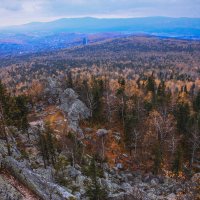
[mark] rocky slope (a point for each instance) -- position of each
(119, 184)
(74, 110)
(13, 189)
(71, 182)
(35, 182)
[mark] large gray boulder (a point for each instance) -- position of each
(101, 132)
(36, 183)
(74, 109)
(72, 172)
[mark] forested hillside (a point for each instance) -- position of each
(111, 120)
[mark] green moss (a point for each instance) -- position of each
(72, 198)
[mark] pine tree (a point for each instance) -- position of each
(131, 121)
(151, 87)
(97, 93)
(157, 158)
(182, 114)
(50, 140)
(14, 108)
(3, 128)
(21, 112)
(5, 100)
(94, 190)
(43, 149)
(178, 161)
(69, 79)
(196, 102)
(161, 94)
(121, 94)
(47, 146)
(4, 115)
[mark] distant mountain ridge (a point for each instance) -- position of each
(69, 32)
(161, 26)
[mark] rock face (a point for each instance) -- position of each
(74, 109)
(3, 149)
(120, 185)
(53, 87)
(41, 187)
(7, 191)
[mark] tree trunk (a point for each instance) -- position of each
(103, 148)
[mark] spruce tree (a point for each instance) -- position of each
(21, 110)
(161, 95)
(121, 95)
(182, 114)
(47, 146)
(94, 189)
(97, 92)
(178, 161)
(131, 121)
(157, 152)
(151, 87)
(69, 79)
(50, 140)
(43, 149)
(196, 102)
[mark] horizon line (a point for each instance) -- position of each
(95, 17)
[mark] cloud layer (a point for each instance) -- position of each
(23, 11)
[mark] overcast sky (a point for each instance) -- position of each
(23, 11)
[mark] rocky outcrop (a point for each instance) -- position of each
(36, 183)
(74, 109)
(126, 185)
(4, 151)
(7, 191)
(53, 88)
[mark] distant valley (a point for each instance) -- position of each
(66, 33)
